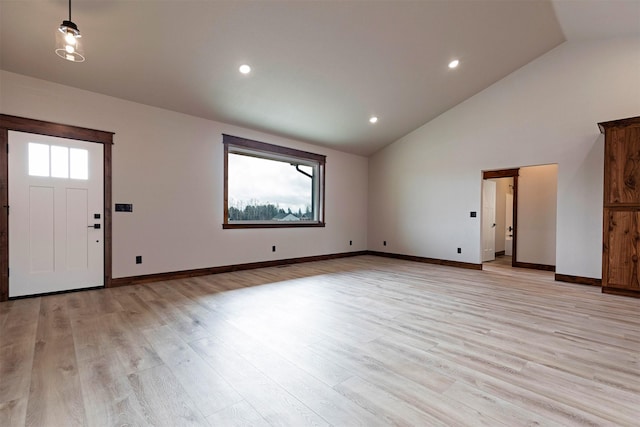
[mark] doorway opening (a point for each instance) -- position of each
(497, 221)
(499, 216)
(519, 210)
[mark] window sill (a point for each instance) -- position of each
(272, 225)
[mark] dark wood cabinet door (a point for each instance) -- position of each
(622, 250)
(622, 157)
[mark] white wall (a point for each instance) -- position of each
(423, 186)
(170, 166)
(420, 189)
(537, 212)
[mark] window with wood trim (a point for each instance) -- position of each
(268, 186)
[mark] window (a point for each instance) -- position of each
(58, 162)
(269, 186)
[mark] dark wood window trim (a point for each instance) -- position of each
(510, 173)
(271, 149)
(267, 149)
(40, 127)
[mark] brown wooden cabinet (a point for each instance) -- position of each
(621, 228)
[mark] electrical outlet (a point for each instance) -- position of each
(384, 243)
(350, 242)
(273, 248)
(459, 250)
(139, 259)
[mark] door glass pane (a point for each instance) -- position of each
(59, 162)
(79, 162)
(38, 159)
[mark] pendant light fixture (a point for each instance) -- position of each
(68, 44)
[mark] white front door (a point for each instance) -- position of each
(488, 220)
(56, 214)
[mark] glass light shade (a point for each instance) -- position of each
(68, 42)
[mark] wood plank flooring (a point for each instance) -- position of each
(363, 341)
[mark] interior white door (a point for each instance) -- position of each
(488, 220)
(508, 240)
(56, 214)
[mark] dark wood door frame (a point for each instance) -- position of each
(40, 127)
(509, 173)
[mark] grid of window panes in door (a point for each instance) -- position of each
(58, 162)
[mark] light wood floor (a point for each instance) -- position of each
(359, 341)
(502, 260)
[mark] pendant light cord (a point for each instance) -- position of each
(69, 10)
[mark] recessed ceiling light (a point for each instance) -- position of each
(454, 63)
(245, 69)
(373, 119)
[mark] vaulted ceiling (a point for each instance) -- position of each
(320, 69)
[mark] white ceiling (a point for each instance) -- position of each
(320, 68)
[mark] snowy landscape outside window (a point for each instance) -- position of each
(269, 186)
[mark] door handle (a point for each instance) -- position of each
(510, 228)
(96, 226)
